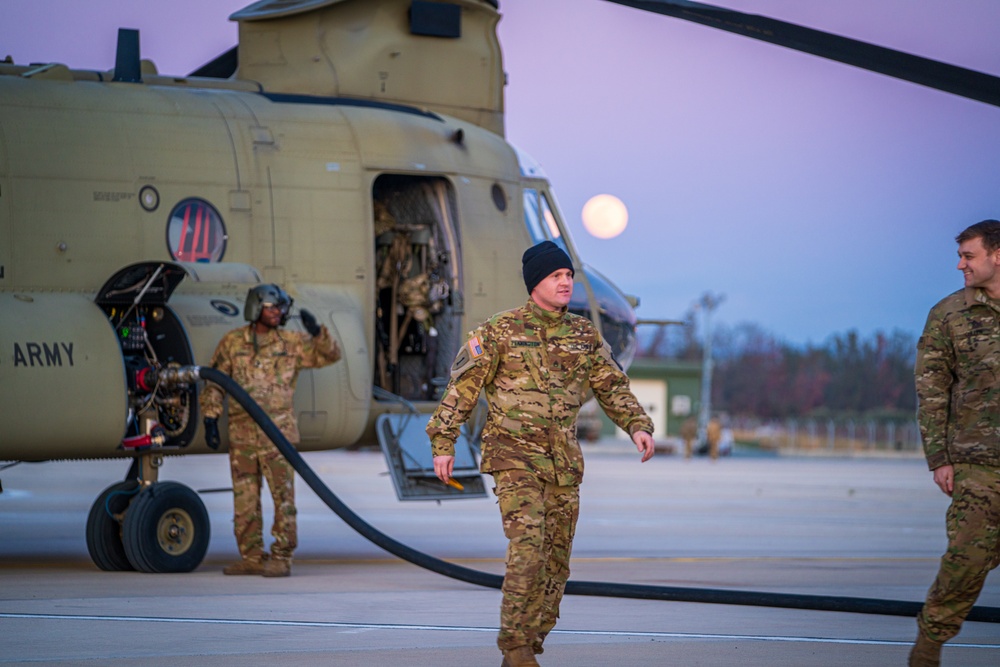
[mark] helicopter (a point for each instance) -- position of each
(352, 151)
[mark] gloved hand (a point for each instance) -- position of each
(212, 438)
(309, 322)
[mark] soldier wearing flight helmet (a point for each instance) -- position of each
(265, 360)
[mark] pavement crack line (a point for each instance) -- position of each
(463, 628)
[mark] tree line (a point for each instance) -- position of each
(758, 375)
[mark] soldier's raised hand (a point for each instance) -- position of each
(309, 322)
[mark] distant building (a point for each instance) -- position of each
(668, 389)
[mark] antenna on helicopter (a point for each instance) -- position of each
(127, 65)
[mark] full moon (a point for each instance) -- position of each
(605, 216)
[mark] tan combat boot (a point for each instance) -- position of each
(925, 652)
(277, 567)
(246, 566)
(522, 656)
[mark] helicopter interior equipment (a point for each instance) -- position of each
(352, 151)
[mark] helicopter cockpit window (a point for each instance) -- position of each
(540, 219)
(195, 232)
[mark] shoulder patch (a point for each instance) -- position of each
(475, 347)
(467, 357)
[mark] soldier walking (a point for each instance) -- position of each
(689, 432)
(713, 434)
(957, 371)
(535, 364)
(265, 361)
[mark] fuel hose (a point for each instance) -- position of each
(593, 588)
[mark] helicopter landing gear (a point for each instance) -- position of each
(166, 529)
(147, 525)
(104, 530)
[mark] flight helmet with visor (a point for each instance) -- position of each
(266, 295)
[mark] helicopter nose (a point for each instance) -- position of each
(617, 317)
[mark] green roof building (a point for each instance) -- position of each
(668, 389)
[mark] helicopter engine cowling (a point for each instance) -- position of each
(58, 350)
(96, 361)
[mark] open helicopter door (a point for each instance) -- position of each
(419, 294)
(406, 449)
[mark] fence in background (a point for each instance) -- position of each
(830, 435)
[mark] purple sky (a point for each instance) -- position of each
(817, 197)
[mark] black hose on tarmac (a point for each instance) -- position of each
(593, 588)
(336, 504)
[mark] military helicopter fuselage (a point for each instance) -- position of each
(399, 225)
(351, 151)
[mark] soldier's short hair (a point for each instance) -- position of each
(987, 230)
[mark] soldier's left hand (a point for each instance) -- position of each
(644, 443)
(443, 467)
(944, 477)
(212, 438)
(309, 322)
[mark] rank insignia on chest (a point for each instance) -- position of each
(475, 347)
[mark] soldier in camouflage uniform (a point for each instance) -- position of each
(265, 360)
(958, 384)
(689, 432)
(713, 434)
(535, 364)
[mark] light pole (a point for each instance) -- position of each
(707, 304)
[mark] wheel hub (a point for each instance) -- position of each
(175, 531)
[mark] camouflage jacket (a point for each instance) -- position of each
(535, 367)
(268, 374)
(958, 364)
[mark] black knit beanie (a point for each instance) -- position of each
(539, 261)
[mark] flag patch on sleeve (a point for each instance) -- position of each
(475, 347)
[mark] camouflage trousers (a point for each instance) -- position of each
(249, 463)
(539, 521)
(973, 525)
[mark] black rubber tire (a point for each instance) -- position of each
(166, 529)
(104, 531)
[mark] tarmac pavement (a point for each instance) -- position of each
(858, 527)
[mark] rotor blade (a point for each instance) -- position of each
(931, 73)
